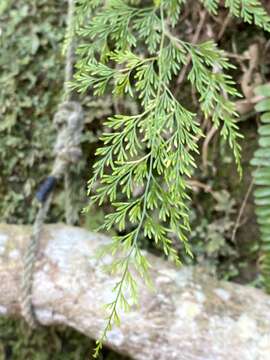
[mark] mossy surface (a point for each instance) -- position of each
(18, 342)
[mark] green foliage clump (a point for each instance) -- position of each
(18, 342)
(132, 49)
(210, 234)
(261, 178)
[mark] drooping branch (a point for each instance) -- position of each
(190, 315)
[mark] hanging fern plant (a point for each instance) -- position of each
(261, 177)
(131, 49)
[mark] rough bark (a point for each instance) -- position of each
(190, 316)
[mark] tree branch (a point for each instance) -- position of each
(190, 316)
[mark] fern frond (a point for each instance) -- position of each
(251, 11)
(135, 54)
(261, 178)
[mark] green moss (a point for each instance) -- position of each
(17, 342)
(29, 92)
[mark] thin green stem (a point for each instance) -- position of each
(139, 160)
(143, 61)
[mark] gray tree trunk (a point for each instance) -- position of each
(190, 316)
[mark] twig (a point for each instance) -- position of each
(206, 188)
(206, 142)
(224, 26)
(241, 211)
(236, 56)
(195, 39)
(198, 184)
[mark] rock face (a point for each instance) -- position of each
(190, 315)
